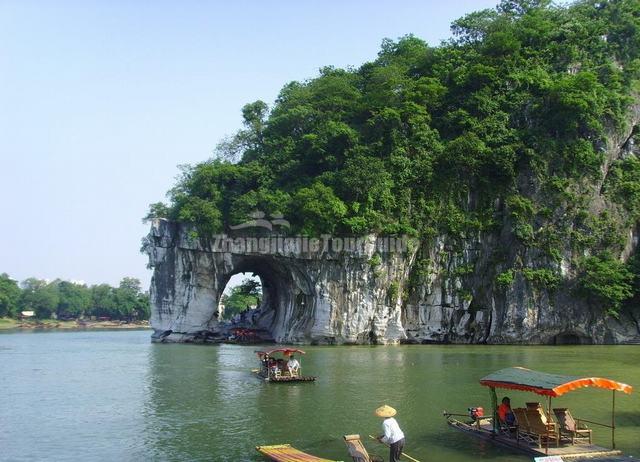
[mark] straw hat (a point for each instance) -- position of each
(385, 411)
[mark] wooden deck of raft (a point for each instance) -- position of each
(286, 378)
(286, 453)
(568, 452)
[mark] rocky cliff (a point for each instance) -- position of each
(459, 302)
(444, 290)
(457, 294)
(322, 294)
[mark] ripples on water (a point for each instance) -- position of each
(114, 396)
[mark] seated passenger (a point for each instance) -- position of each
(273, 366)
(293, 365)
(505, 414)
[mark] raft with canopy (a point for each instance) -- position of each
(551, 386)
(273, 366)
(525, 435)
(287, 453)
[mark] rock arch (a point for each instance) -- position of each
(310, 296)
(287, 291)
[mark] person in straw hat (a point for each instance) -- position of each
(392, 435)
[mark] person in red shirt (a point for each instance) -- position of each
(505, 414)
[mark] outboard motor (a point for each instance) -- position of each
(476, 413)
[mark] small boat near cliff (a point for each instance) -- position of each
(280, 365)
(534, 430)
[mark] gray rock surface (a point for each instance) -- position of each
(366, 296)
(319, 296)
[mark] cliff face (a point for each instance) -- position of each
(456, 295)
(309, 295)
(364, 296)
(460, 302)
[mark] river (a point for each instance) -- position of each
(112, 395)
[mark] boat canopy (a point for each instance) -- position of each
(519, 378)
(284, 351)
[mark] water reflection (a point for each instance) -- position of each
(182, 402)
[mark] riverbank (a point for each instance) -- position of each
(19, 324)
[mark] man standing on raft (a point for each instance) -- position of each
(392, 435)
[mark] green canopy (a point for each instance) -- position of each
(519, 378)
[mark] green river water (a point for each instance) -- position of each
(114, 396)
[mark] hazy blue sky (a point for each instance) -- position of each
(100, 101)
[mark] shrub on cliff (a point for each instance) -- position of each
(608, 281)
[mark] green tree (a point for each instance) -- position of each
(103, 301)
(129, 300)
(75, 299)
(9, 296)
(247, 141)
(39, 296)
(318, 208)
(157, 210)
(246, 294)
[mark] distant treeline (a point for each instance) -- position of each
(70, 300)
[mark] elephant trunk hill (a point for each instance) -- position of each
(505, 159)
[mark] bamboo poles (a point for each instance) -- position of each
(613, 421)
(494, 407)
(548, 423)
(402, 453)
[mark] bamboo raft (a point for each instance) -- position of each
(287, 453)
(288, 378)
(572, 452)
(533, 431)
(279, 374)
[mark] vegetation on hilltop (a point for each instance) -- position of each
(506, 124)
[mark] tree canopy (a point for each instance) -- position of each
(9, 295)
(528, 85)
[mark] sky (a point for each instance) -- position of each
(100, 101)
